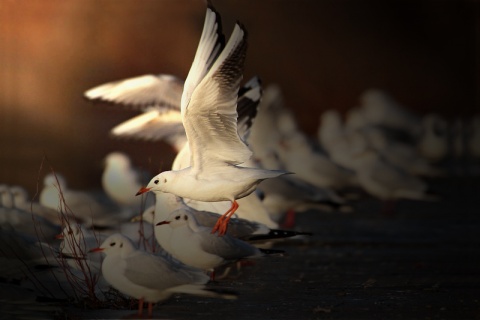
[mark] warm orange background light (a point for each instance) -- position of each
(323, 54)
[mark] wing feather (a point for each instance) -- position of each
(147, 90)
(211, 44)
(228, 248)
(161, 272)
(154, 124)
(210, 117)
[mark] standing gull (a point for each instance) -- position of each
(149, 277)
(194, 245)
(209, 115)
(245, 230)
(120, 181)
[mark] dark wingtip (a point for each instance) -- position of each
(278, 234)
(272, 251)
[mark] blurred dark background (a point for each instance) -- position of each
(323, 54)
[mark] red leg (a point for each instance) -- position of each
(246, 263)
(289, 221)
(140, 307)
(150, 310)
(222, 222)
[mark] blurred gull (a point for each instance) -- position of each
(311, 165)
(433, 144)
(20, 200)
(88, 207)
(142, 91)
(379, 108)
(76, 243)
(386, 181)
(6, 197)
(36, 266)
(20, 253)
(158, 96)
(121, 181)
(330, 129)
(341, 143)
(284, 197)
(23, 220)
(276, 132)
(77, 240)
(398, 153)
(473, 138)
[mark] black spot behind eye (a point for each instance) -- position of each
(164, 180)
(112, 244)
(121, 245)
(177, 218)
(185, 217)
(156, 181)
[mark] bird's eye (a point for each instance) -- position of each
(177, 218)
(112, 244)
(185, 218)
(156, 181)
(261, 195)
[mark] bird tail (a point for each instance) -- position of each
(272, 252)
(277, 234)
(427, 196)
(268, 174)
(203, 291)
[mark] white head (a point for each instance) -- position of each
(331, 117)
(159, 183)
(20, 196)
(116, 244)
(72, 230)
(117, 159)
(179, 218)
(149, 214)
(73, 240)
(355, 119)
(56, 180)
(6, 198)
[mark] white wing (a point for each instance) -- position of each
(211, 44)
(154, 124)
(209, 114)
(160, 272)
(147, 90)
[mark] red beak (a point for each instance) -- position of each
(162, 222)
(142, 191)
(96, 250)
(59, 236)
